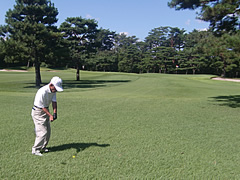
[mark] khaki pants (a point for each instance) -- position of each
(42, 129)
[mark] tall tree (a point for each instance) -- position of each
(2, 54)
(105, 39)
(192, 57)
(223, 15)
(60, 53)
(176, 38)
(223, 57)
(29, 31)
(81, 34)
(157, 37)
(164, 58)
(105, 59)
(128, 53)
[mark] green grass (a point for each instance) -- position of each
(124, 126)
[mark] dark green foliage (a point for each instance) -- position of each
(29, 33)
(105, 39)
(105, 58)
(2, 55)
(223, 15)
(128, 52)
(81, 36)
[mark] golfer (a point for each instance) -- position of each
(41, 115)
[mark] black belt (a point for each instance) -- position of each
(39, 107)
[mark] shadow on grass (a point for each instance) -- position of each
(78, 146)
(68, 84)
(90, 83)
(232, 101)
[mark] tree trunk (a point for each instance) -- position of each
(224, 66)
(77, 74)
(223, 73)
(37, 75)
(160, 70)
(28, 64)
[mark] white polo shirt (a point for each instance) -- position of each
(44, 97)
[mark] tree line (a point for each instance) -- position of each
(30, 38)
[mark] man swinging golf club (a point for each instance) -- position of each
(41, 115)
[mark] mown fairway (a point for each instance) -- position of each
(124, 126)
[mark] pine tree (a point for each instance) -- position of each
(29, 32)
(81, 34)
(223, 15)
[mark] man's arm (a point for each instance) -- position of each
(48, 113)
(54, 105)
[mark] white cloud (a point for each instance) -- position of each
(188, 22)
(204, 29)
(199, 21)
(125, 33)
(89, 16)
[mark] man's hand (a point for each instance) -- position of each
(48, 113)
(51, 118)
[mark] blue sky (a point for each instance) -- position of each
(133, 17)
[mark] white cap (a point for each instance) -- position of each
(57, 82)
